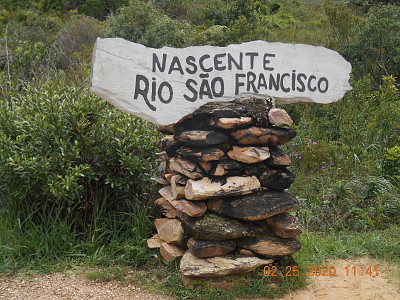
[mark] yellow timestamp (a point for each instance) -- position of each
(324, 271)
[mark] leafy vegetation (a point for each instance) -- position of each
(74, 171)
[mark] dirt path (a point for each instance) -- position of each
(359, 287)
(74, 287)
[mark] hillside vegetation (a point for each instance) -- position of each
(75, 172)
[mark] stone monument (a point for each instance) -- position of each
(224, 203)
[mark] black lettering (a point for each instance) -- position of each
(286, 90)
(178, 67)
(160, 91)
(218, 62)
(221, 87)
(189, 86)
(266, 61)
(293, 80)
(153, 89)
(252, 55)
(319, 84)
(299, 80)
(156, 62)
(190, 61)
(205, 89)
(239, 66)
(144, 91)
(201, 60)
(309, 83)
(262, 82)
(274, 82)
(251, 77)
(237, 83)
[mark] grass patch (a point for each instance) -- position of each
(317, 249)
(33, 249)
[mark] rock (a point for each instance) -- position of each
(165, 142)
(276, 179)
(185, 167)
(230, 186)
(240, 109)
(198, 138)
(271, 136)
(162, 168)
(205, 165)
(161, 156)
(166, 129)
(178, 190)
(215, 227)
(226, 167)
(121, 69)
(284, 225)
(230, 123)
(246, 252)
(203, 154)
(249, 155)
(203, 248)
(160, 180)
(170, 230)
(215, 204)
(257, 206)
(169, 176)
(278, 158)
(279, 117)
(169, 145)
(270, 245)
(170, 252)
(164, 207)
(192, 209)
(219, 266)
(166, 192)
(255, 108)
(154, 242)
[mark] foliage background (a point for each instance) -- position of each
(74, 172)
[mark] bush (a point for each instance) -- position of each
(65, 152)
(391, 164)
(75, 40)
(142, 23)
(376, 49)
(364, 203)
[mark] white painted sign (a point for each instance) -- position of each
(163, 85)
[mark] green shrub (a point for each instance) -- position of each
(75, 40)
(64, 151)
(143, 23)
(391, 164)
(376, 49)
(359, 203)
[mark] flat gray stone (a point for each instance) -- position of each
(219, 266)
(271, 136)
(270, 245)
(203, 248)
(284, 225)
(216, 227)
(256, 206)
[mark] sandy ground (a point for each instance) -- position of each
(74, 287)
(359, 287)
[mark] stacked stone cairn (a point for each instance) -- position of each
(224, 203)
